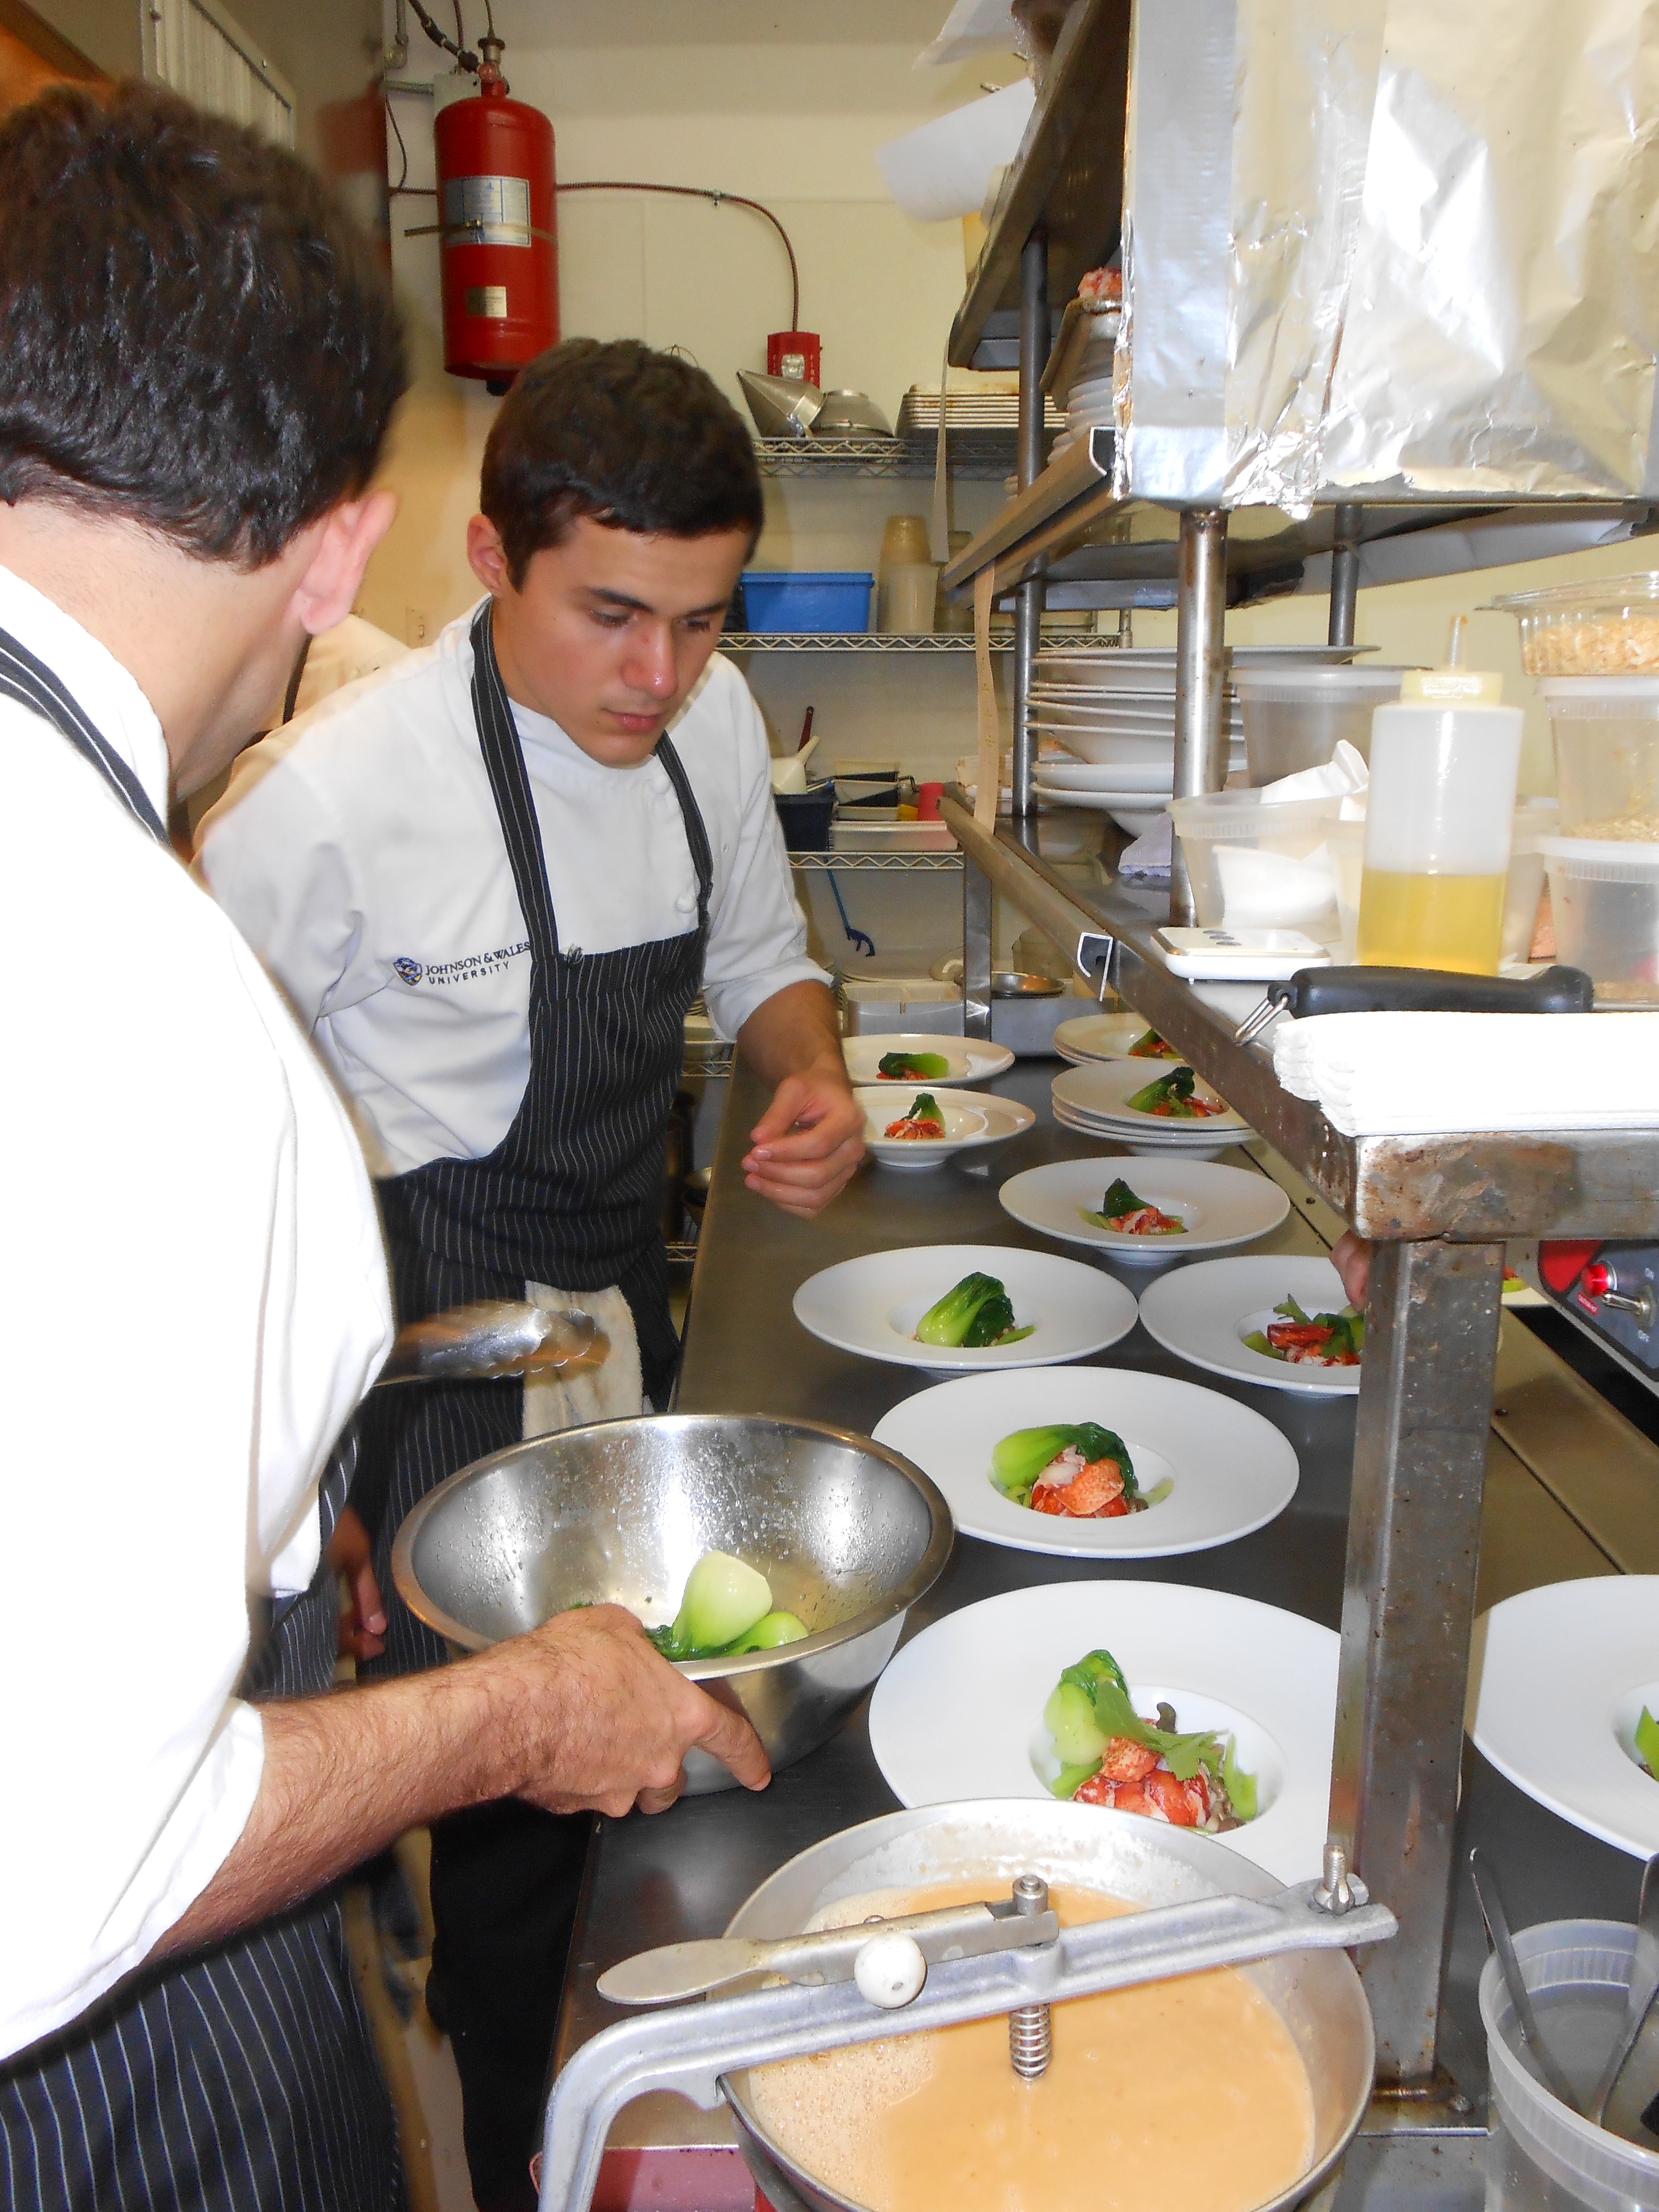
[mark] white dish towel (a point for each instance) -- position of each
(1419, 1074)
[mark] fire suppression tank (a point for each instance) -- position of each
(497, 232)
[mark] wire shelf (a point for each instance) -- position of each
(880, 864)
(852, 640)
(980, 456)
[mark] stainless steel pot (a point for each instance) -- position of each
(848, 1534)
(1316, 1994)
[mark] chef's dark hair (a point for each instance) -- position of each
(193, 337)
(636, 440)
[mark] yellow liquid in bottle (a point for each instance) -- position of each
(1431, 921)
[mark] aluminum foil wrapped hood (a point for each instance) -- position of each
(1390, 249)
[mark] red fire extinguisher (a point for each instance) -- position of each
(497, 233)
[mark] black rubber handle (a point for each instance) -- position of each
(1432, 991)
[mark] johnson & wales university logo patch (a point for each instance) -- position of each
(410, 970)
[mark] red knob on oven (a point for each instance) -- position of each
(1561, 1261)
(1598, 1279)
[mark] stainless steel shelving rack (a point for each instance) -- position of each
(977, 456)
(1439, 1208)
(878, 864)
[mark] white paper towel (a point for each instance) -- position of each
(973, 26)
(944, 167)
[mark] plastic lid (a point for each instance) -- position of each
(1630, 688)
(1607, 592)
(1264, 682)
(1610, 859)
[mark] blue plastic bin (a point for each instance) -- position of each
(807, 598)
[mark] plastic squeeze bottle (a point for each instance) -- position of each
(1444, 761)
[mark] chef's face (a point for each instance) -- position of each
(609, 629)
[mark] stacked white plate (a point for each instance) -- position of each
(1094, 1101)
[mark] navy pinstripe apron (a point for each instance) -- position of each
(243, 2079)
(572, 1196)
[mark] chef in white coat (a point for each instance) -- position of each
(491, 880)
(198, 359)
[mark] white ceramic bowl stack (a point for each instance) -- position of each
(1115, 711)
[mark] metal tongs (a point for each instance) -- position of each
(494, 1338)
(1313, 991)
(849, 1985)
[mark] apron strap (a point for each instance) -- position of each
(696, 833)
(32, 685)
(509, 780)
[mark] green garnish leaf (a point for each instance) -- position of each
(1170, 1089)
(1120, 1199)
(1019, 1459)
(924, 1106)
(1647, 1743)
(917, 1066)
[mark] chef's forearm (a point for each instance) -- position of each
(581, 1713)
(344, 1776)
(793, 1033)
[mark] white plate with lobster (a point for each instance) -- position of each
(1089, 1037)
(1062, 1310)
(1100, 1094)
(906, 1125)
(963, 1060)
(1206, 1469)
(959, 1712)
(1214, 1206)
(1204, 1313)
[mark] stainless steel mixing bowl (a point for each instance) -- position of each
(1316, 1994)
(848, 1534)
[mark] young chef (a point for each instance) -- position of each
(491, 881)
(198, 361)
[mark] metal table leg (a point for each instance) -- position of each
(976, 949)
(1029, 596)
(1200, 756)
(1431, 1321)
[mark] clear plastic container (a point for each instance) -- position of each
(1535, 820)
(1607, 628)
(1295, 718)
(1606, 754)
(1540, 2157)
(1256, 866)
(1605, 897)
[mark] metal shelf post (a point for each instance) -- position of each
(1345, 574)
(978, 911)
(1432, 1317)
(1028, 599)
(1200, 758)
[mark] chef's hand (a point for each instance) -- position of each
(363, 1618)
(807, 1143)
(1350, 1255)
(605, 1722)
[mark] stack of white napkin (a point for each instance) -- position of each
(1420, 1074)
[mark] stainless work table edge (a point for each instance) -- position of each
(684, 1873)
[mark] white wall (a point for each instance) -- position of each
(787, 102)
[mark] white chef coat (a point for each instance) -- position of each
(193, 1298)
(360, 851)
(339, 656)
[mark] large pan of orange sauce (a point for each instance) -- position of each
(1234, 2090)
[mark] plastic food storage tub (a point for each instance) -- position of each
(1535, 820)
(807, 598)
(1605, 629)
(1605, 897)
(1260, 866)
(1606, 754)
(1540, 2156)
(1295, 718)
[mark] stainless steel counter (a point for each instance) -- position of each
(683, 1873)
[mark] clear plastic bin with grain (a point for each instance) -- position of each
(1604, 628)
